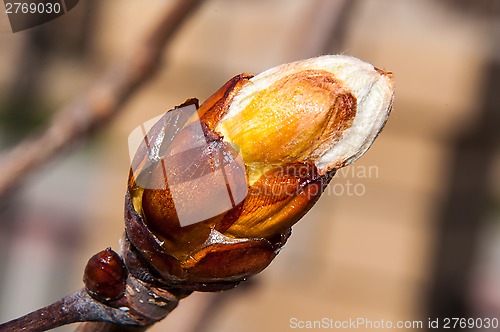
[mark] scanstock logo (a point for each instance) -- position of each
(173, 154)
(26, 14)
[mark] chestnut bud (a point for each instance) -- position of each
(213, 191)
(105, 276)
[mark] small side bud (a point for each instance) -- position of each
(105, 276)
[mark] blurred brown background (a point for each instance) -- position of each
(409, 232)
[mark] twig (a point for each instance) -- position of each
(140, 306)
(71, 309)
(104, 101)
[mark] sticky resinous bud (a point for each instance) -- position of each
(214, 190)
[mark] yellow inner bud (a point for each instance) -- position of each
(289, 120)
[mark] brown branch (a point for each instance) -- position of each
(105, 100)
(74, 308)
(45, 318)
(139, 307)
